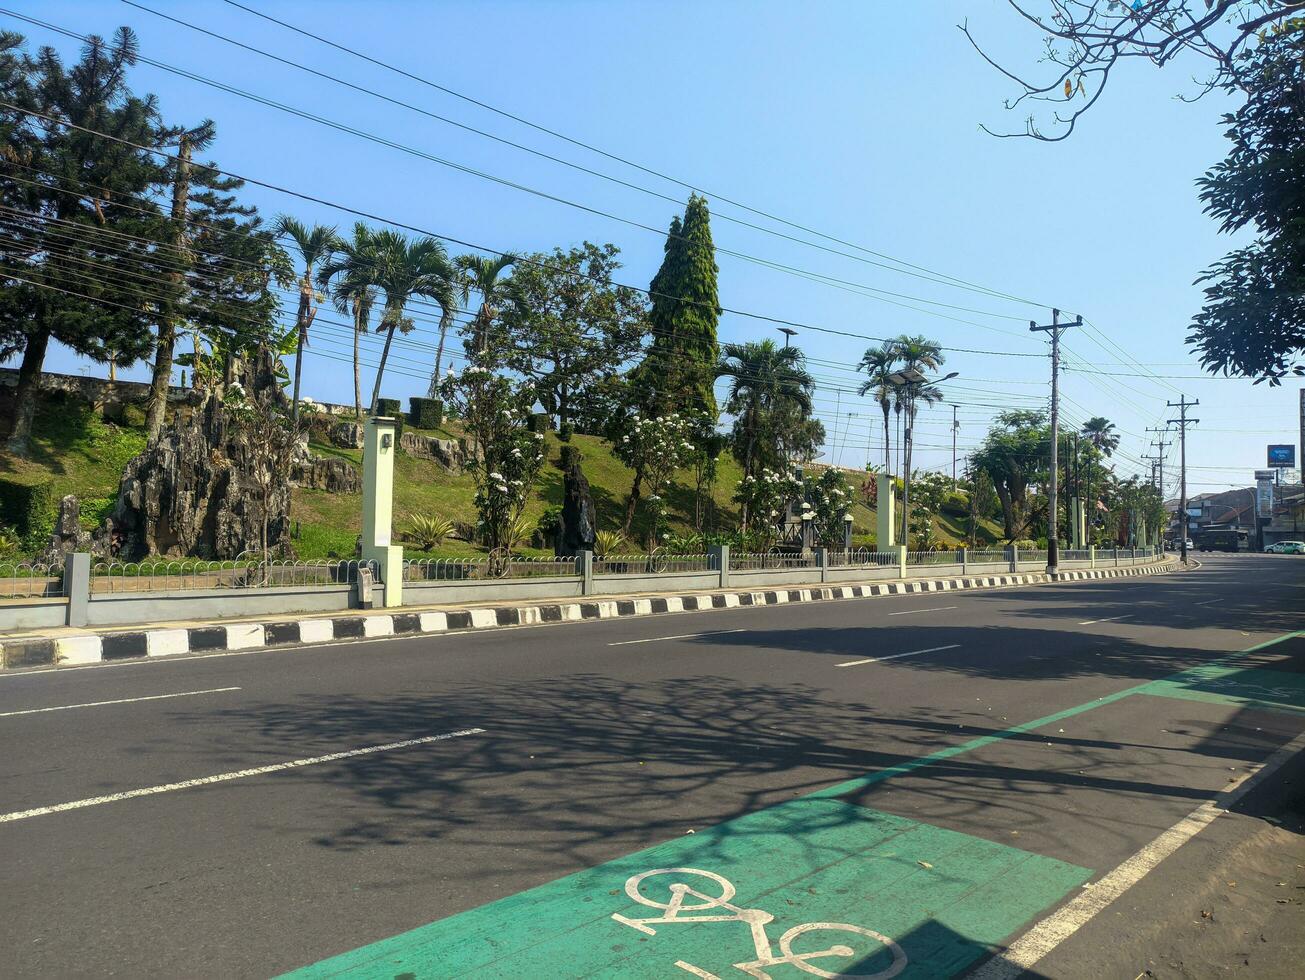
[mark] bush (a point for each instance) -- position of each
(608, 543)
(425, 413)
(955, 505)
(1028, 544)
(566, 431)
(389, 408)
(686, 543)
(540, 422)
(427, 532)
(550, 522)
(8, 543)
(29, 508)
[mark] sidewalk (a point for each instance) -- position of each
(77, 646)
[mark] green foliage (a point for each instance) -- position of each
(9, 543)
(684, 543)
(427, 532)
(677, 373)
(509, 456)
(28, 507)
(549, 524)
(1253, 321)
(657, 447)
(609, 543)
(770, 398)
(568, 327)
(1015, 454)
(830, 498)
(388, 407)
(765, 499)
(425, 413)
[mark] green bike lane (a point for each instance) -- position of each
(916, 870)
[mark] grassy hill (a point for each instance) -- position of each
(82, 454)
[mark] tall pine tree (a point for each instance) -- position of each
(679, 371)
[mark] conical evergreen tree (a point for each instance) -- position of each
(679, 371)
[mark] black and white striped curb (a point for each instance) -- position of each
(82, 649)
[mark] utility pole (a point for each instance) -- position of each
(955, 426)
(1054, 328)
(1183, 422)
(1160, 444)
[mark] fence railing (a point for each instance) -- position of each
(933, 558)
(986, 556)
(190, 575)
(30, 580)
(485, 567)
(654, 563)
(860, 557)
(1075, 554)
(753, 561)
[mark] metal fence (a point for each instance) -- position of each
(654, 563)
(163, 575)
(860, 557)
(987, 556)
(933, 558)
(486, 567)
(30, 580)
(1075, 554)
(752, 561)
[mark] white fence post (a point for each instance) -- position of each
(77, 587)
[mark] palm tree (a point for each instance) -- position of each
(766, 381)
(353, 293)
(878, 363)
(315, 245)
(916, 353)
(1101, 433)
(482, 274)
(402, 269)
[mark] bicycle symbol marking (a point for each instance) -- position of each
(688, 904)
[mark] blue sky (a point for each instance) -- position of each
(859, 120)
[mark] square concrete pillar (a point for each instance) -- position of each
(1092, 556)
(584, 561)
(718, 557)
(77, 587)
(379, 447)
(822, 562)
(901, 559)
(886, 511)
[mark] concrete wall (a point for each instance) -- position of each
(764, 578)
(666, 582)
(453, 591)
(32, 614)
(122, 608)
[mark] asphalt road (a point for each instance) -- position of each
(576, 745)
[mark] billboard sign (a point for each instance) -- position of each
(1282, 456)
(1264, 498)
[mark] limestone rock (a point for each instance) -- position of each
(324, 473)
(347, 435)
(68, 535)
(579, 525)
(195, 491)
(448, 453)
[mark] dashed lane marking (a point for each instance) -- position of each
(896, 656)
(678, 636)
(912, 612)
(100, 704)
(1108, 619)
(224, 777)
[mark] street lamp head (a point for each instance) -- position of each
(954, 374)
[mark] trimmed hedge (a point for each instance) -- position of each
(540, 422)
(425, 413)
(390, 408)
(30, 509)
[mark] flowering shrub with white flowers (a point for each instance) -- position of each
(657, 447)
(764, 499)
(507, 456)
(830, 498)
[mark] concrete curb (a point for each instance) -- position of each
(81, 650)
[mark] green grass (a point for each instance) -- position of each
(79, 452)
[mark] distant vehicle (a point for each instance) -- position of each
(1222, 539)
(1286, 548)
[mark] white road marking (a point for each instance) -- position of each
(223, 777)
(1108, 619)
(97, 704)
(911, 612)
(1208, 602)
(896, 656)
(1026, 951)
(679, 636)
